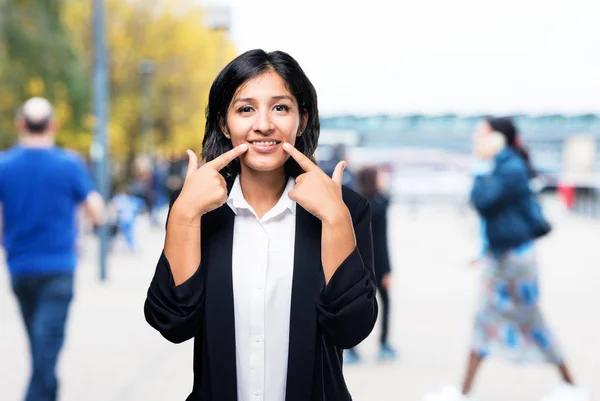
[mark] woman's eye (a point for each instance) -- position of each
(245, 109)
(281, 107)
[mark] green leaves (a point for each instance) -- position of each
(34, 46)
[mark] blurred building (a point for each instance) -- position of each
(429, 156)
(546, 135)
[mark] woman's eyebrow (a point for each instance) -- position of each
(243, 99)
(283, 97)
(251, 99)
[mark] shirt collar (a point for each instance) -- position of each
(236, 200)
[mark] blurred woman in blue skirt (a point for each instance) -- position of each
(508, 322)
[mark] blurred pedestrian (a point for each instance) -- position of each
(143, 185)
(41, 186)
(176, 173)
(508, 323)
(369, 186)
(125, 208)
(339, 153)
(159, 184)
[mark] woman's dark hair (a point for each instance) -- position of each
(507, 128)
(247, 66)
(367, 182)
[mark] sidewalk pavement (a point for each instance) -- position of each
(111, 353)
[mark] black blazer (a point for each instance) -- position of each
(324, 319)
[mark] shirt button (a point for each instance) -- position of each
(258, 339)
(257, 393)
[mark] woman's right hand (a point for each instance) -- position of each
(487, 146)
(204, 189)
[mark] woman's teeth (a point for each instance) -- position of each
(270, 143)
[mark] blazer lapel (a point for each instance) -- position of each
(306, 285)
(220, 317)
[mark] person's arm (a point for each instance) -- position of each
(84, 192)
(175, 301)
(491, 192)
(321, 196)
(204, 190)
(182, 242)
(337, 241)
(94, 208)
(174, 308)
(347, 306)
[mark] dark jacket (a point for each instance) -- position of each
(381, 257)
(324, 319)
(503, 199)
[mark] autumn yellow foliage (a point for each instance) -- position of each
(186, 57)
(184, 52)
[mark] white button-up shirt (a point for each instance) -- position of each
(263, 265)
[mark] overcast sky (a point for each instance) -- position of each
(434, 56)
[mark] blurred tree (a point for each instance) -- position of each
(46, 49)
(183, 51)
(37, 59)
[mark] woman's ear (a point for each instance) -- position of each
(223, 127)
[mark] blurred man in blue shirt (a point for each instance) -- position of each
(41, 187)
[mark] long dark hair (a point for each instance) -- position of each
(247, 66)
(506, 127)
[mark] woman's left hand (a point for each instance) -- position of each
(386, 281)
(315, 191)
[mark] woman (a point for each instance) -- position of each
(268, 262)
(508, 323)
(369, 187)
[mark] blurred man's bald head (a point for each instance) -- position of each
(37, 115)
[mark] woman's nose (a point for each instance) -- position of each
(263, 122)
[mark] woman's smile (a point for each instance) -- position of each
(264, 146)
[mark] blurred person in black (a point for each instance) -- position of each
(339, 153)
(176, 172)
(369, 186)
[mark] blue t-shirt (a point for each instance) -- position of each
(40, 189)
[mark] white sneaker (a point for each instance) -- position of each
(568, 392)
(450, 393)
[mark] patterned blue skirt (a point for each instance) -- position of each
(509, 323)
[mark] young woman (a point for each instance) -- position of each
(369, 187)
(267, 262)
(508, 323)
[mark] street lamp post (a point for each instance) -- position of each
(146, 71)
(99, 151)
(218, 19)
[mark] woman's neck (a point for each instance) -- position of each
(262, 189)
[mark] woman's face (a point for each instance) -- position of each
(483, 128)
(481, 131)
(264, 115)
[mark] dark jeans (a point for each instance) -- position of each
(384, 313)
(44, 302)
